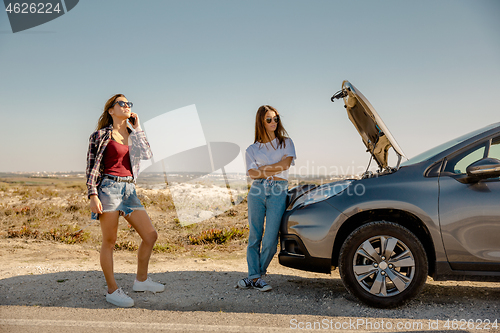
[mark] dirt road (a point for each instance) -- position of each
(52, 287)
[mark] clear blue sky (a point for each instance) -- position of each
(430, 68)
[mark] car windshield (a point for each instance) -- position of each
(436, 150)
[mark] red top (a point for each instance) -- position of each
(116, 160)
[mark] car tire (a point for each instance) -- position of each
(383, 264)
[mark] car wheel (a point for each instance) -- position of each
(383, 264)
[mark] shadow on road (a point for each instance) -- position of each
(215, 291)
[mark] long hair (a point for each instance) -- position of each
(105, 119)
(260, 130)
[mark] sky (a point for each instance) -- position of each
(430, 68)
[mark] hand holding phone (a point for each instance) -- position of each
(134, 120)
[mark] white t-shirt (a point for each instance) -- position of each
(259, 154)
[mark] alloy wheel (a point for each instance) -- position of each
(384, 266)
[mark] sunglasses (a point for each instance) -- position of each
(122, 104)
(276, 120)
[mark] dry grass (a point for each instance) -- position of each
(67, 236)
(57, 209)
(217, 236)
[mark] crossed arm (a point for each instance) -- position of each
(271, 169)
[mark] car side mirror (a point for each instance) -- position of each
(484, 168)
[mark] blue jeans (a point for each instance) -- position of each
(265, 199)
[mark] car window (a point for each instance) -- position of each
(467, 160)
(433, 152)
(459, 163)
(495, 148)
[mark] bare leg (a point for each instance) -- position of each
(109, 228)
(139, 219)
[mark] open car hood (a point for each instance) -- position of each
(370, 126)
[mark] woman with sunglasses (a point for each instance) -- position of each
(268, 160)
(113, 159)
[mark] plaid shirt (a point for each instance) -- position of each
(98, 142)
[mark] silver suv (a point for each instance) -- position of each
(437, 214)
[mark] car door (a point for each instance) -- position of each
(469, 213)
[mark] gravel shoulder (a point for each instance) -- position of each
(44, 280)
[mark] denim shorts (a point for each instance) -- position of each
(117, 196)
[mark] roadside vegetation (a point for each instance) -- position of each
(57, 209)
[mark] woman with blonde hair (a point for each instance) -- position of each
(268, 160)
(113, 158)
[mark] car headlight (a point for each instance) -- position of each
(322, 192)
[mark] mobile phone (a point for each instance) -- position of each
(132, 120)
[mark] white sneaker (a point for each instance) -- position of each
(148, 285)
(119, 298)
